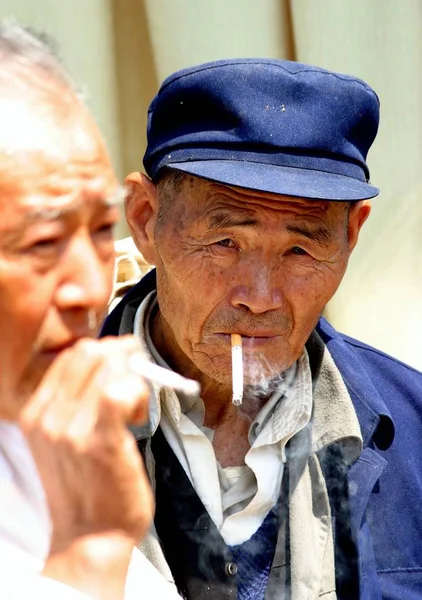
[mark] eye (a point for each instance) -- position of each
(226, 243)
(103, 224)
(44, 245)
(298, 251)
(106, 229)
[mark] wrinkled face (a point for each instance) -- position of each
(232, 260)
(56, 247)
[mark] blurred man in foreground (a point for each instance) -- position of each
(259, 188)
(64, 403)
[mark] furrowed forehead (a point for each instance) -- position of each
(218, 198)
(63, 207)
(19, 218)
(31, 124)
(42, 154)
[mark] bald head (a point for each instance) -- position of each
(41, 111)
(23, 50)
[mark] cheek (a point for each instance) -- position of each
(309, 293)
(188, 292)
(109, 273)
(25, 302)
(25, 299)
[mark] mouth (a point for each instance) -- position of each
(252, 339)
(51, 351)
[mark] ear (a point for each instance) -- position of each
(141, 213)
(359, 212)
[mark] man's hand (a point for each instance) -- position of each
(96, 486)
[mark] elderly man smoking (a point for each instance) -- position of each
(72, 399)
(311, 488)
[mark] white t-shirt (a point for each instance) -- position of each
(25, 531)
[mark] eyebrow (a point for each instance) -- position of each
(50, 214)
(227, 221)
(321, 235)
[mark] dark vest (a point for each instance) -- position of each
(202, 564)
(205, 567)
(254, 558)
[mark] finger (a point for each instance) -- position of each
(64, 380)
(91, 375)
(129, 395)
(126, 390)
(70, 372)
(106, 411)
(115, 396)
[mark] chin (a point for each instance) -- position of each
(31, 380)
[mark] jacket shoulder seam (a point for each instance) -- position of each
(363, 346)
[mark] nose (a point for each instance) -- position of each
(257, 288)
(86, 281)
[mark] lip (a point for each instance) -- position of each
(256, 334)
(57, 349)
(250, 340)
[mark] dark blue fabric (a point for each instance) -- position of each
(385, 483)
(269, 125)
(254, 558)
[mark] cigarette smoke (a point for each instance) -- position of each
(261, 377)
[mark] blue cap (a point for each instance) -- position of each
(269, 125)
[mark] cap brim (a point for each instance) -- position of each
(289, 181)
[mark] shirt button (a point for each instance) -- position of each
(231, 568)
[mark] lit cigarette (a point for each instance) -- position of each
(164, 377)
(237, 369)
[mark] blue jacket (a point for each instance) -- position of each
(385, 483)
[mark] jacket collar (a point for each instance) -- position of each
(120, 320)
(375, 420)
(376, 423)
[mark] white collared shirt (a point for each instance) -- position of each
(25, 531)
(238, 508)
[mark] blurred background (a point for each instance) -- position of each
(120, 50)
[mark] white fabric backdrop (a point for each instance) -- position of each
(121, 49)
